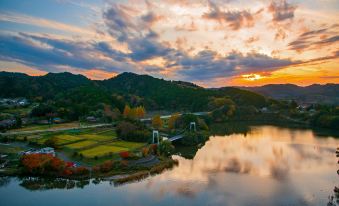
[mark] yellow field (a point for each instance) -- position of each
(129, 145)
(80, 145)
(95, 137)
(114, 147)
(102, 150)
(44, 127)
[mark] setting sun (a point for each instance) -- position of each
(251, 77)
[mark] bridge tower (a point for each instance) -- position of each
(155, 135)
(193, 126)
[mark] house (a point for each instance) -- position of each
(91, 119)
(7, 123)
(264, 110)
(58, 120)
(46, 150)
(22, 102)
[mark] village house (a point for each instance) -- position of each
(46, 150)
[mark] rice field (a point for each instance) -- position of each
(95, 137)
(81, 145)
(44, 127)
(102, 150)
(91, 143)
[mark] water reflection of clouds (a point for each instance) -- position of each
(268, 156)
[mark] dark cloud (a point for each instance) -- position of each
(151, 18)
(234, 19)
(140, 38)
(281, 10)
(207, 65)
(105, 48)
(48, 54)
(314, 39)
(119, 23)
(143, 49)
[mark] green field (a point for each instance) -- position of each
(19, 111)
(81, 145)
(94, 142)
(9, 149)
(102, 150)
(44, 127)
(114, 147)
(95, 137)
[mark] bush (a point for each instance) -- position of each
(106, 166)
(145, 151)
(75, 154)
(194, 138)
(81, 171)
(166, 148)
(153, 149)
(51, 142)
(132, 132)
(202, 124)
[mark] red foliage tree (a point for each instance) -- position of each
(106, 166)
(36, 163)
(124, 154)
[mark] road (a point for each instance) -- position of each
(168, 116)
(52, 130)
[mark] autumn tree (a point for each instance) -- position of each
(172, 120)
(140, 112)
(156, 122)
(127, 110)
(132, 113)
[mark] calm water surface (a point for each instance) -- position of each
(266, 166)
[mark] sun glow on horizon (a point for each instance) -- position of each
(252, 77)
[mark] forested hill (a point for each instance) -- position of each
(69, 90)
(316, 93)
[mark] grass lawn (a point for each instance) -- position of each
(80, 145)
(102, 150)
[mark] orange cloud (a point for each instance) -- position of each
(97, 74)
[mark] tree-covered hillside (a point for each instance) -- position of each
(76, 95)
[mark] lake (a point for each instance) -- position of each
(263, 165)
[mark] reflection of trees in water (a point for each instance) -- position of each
(38, 183)
(4, 181)
(229, 128)
(334, 199)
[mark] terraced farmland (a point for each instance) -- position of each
(91, 143)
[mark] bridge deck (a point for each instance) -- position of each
(175, 137)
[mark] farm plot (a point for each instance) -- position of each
(81, 144)
(102, 150)
(114, 147)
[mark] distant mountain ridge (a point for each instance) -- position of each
(315, 93)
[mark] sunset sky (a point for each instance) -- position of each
(212, 43)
